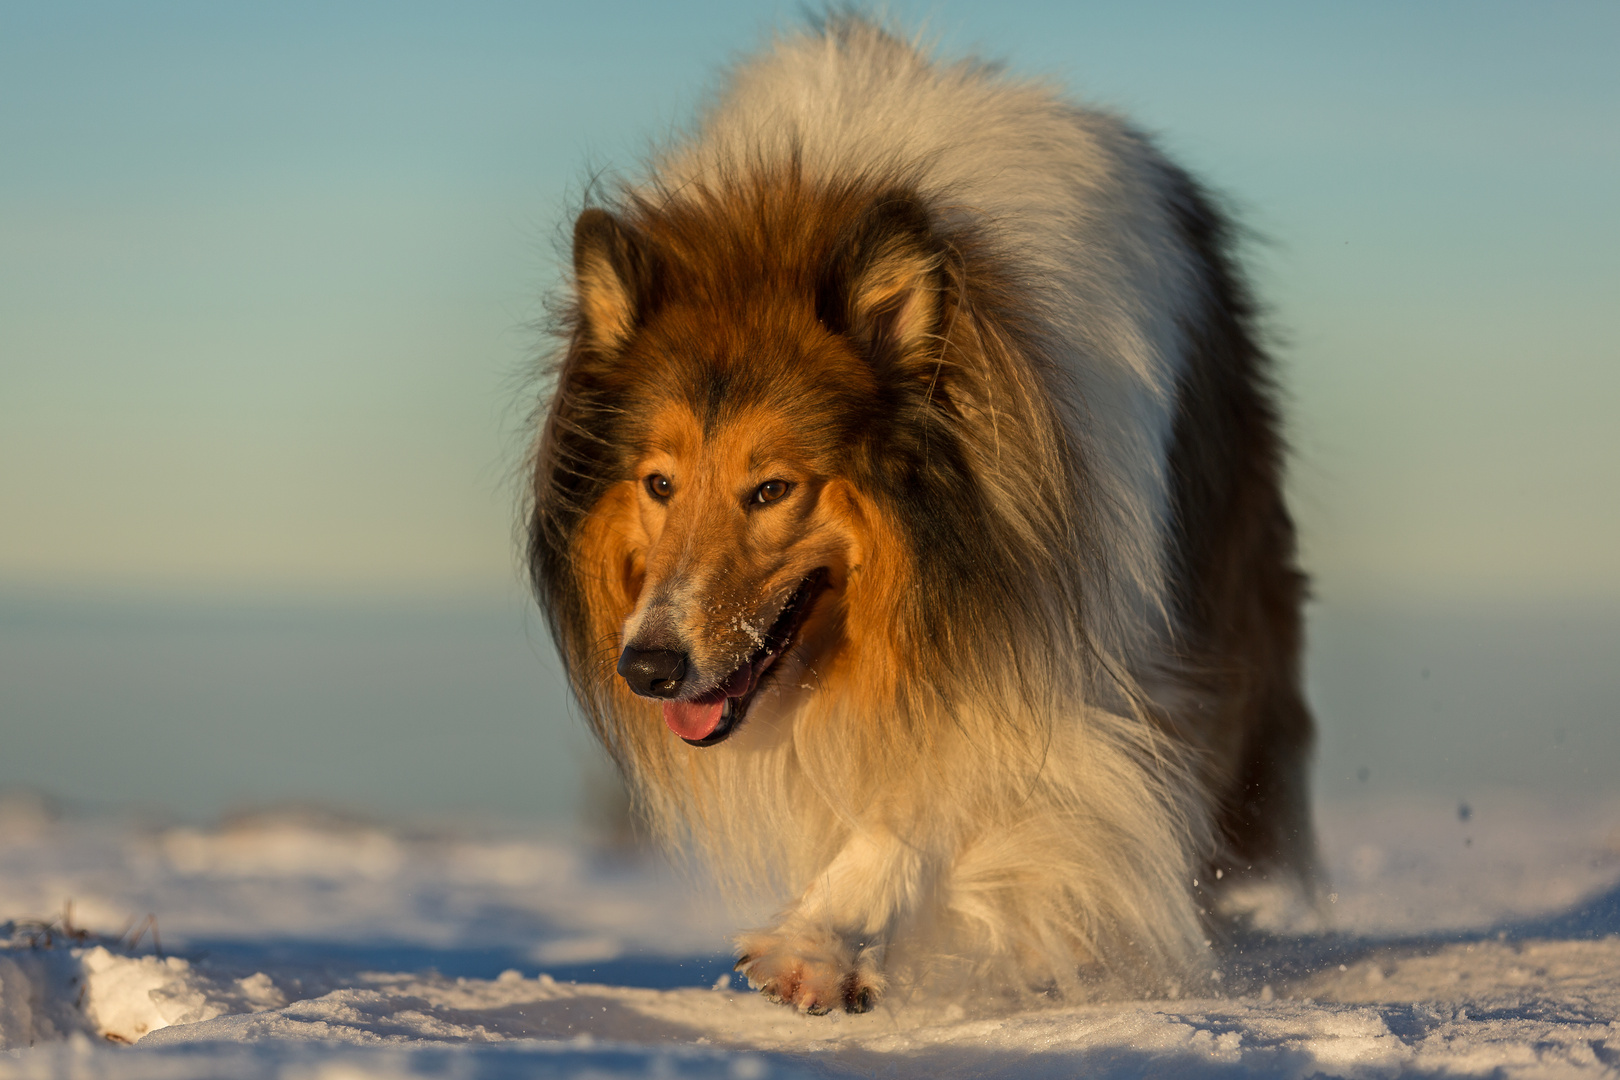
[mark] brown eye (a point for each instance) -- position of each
(770, 491)
(659, 487)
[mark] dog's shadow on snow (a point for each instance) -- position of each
(1257, 959)
(1252, 960)
(317, 965)
(1596, 917)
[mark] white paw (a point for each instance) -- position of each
(814, 974)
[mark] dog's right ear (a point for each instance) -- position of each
(614, 279)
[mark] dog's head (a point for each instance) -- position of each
(732, 407)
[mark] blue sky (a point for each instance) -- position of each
(269, 273)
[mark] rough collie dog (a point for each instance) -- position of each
(908, 514)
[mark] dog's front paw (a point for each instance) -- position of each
(813, 974)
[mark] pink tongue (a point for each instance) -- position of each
(693, 719)
(698, 719)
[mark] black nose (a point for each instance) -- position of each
(653, 672)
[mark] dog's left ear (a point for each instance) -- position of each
(885, 283)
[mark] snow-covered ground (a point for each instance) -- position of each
(1479, 940)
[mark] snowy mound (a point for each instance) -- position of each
(1477, 941)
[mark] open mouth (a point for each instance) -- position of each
(715, 716)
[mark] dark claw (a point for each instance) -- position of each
(742, 962)
(857, 998)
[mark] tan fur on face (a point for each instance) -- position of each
(718, 565)
(707, 571)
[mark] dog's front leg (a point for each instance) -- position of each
(826, 952)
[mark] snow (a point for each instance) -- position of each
(1478, 940)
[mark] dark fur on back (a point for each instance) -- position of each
(1236, 586)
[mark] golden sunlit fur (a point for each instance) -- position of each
(913, 416)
